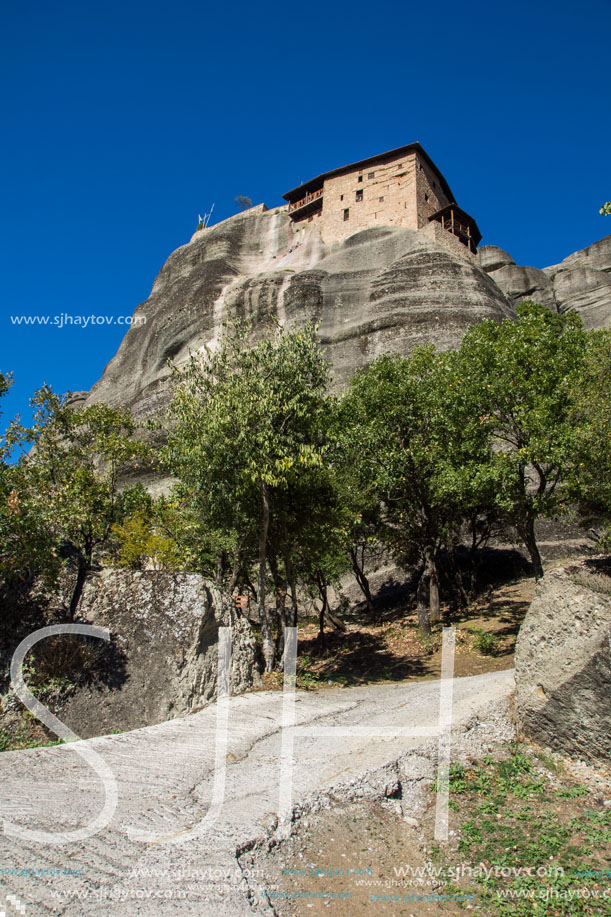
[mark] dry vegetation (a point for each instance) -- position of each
(394, 649)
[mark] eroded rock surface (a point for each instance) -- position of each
(563, 662)
(164, 631)
(582, 282)
(382, 290)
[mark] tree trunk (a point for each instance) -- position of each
(322, 591)
(235, 573)
(280, 588)
(434, 602)
(246, 582)
(363, 583)
(279, 642)
(280, 591)
(526, 531)
(81, 576)
(333, 621)
(422, 600)
(220, 570)
(293, 587)
(266, 633)
(456, 584)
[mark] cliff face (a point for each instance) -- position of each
(582, 282)
(562, 662)
(381, 290)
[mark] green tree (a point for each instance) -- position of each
(6, 380)
(27, 548)
(426, 465)
(243, 202)
(308, 538)
(516, 378)
(68, 476)
(590, 478)
(165, 533)
(246, 422)
(359, 494)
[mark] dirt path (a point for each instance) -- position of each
(164, 782)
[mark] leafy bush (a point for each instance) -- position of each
(486, 643)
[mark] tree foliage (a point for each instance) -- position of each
(243, 202)
(26, 547)
(282, 487)
(246, 423)
(590, 478)
(65, 485)
(415, 460)
(518, 378)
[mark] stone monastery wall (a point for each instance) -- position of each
(402, 192)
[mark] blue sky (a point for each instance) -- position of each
(123, 121)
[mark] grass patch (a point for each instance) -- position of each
(26, 733)
(517, 815)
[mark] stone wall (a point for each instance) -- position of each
(403, 192)
(430, 196)
(394, 182)
(434, 230)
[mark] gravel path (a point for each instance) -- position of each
(179, 863)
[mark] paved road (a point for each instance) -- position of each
(162, 841)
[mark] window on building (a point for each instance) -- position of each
(371, 175)
(347, 213)
(399, 165)
(360, 178)
(426, 197)
(359, 195)
(381, 199)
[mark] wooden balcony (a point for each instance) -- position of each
(456, 227)
(460, 224)
(305, 201)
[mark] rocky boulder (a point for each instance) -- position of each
(563, 662)
(162, 660)
(492, 258)
(385, 289)
(582, 282)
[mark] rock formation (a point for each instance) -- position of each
(563, 662)
(582, 282)
(381, 290)
(164, 650)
